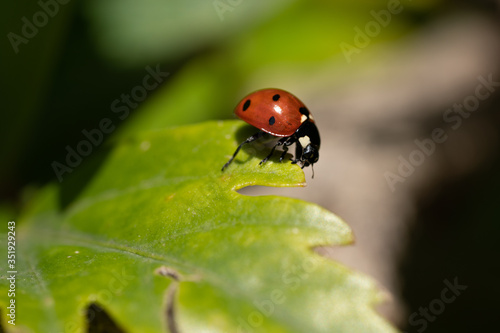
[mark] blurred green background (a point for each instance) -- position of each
(372, 94)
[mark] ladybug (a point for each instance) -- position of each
(280, 114)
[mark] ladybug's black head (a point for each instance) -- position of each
(310, 154)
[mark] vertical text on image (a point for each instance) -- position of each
(11, 271)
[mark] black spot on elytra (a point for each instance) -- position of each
(272, 120)
(304, 111)
(246, 105)
(276, 97)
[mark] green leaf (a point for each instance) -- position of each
(157, 237)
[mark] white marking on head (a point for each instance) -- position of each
(303, 118)
(311, 116)
(304, 141)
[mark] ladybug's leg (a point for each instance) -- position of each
(254, 137)
(287, 143)
(285, 150)
(279, 143)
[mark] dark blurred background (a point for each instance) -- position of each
(377, 76)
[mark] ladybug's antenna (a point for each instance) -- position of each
(312, 168)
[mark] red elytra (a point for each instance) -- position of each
(273, 111)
